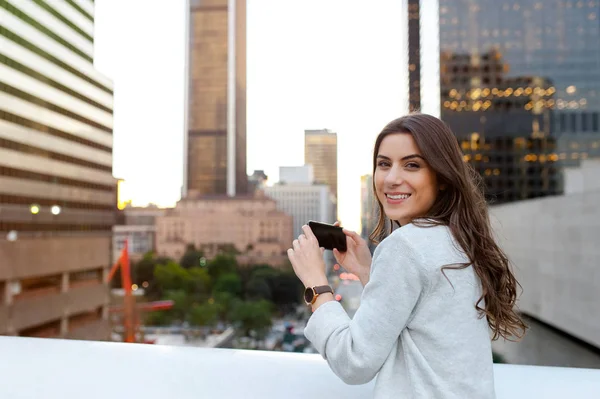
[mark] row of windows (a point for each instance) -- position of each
(80, 10)
(516, 174)
(7, 116)
(137, 243)
(27, 149)
(530, 183)
(27, 19)
(44, 79)
(43, 103)
(54, 227)
(20, 200)
(582, 122)
(34, 49)
(43, 4)
(24, 174)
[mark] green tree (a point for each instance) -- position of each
(258, 288)
(199, 282)
(191, 257)
(143, 274)
(171, 277)
(230, 283)
(252, 316)
(158, 318)
(224, 302)
(205, 314)
(195, 281)
(181, 306)
(222, 264)
(286, 289)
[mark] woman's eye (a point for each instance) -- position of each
(383, 164)
(412, 165)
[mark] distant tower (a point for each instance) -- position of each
(320, 151)
(414, 56)
(215, 139)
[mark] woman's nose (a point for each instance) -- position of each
(394, 177)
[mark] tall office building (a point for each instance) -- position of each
(57, 193)
(298, 196)
(320, 151)
(414, 56)
(520, 87)
(215, 140)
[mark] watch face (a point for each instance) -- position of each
(308, 295)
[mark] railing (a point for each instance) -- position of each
(63, 369)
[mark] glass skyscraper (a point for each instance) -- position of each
(215, 147)
(520, 87)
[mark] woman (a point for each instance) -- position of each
(437, 284)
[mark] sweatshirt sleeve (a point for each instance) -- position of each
(357, 348)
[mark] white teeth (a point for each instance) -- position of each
(396, 197)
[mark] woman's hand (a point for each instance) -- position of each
(357, 258)
(307, 259)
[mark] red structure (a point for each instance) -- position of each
(129, 309)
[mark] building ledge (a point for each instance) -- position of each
(64, 369)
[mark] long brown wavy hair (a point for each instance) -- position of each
(462, 207)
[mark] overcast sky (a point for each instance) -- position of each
(336, 64)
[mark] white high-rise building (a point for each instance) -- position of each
(303, 201)
(297, 174)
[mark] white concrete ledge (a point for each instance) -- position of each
(62, 369)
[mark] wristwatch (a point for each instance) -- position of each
(312, 293)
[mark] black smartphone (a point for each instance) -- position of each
(329, 236)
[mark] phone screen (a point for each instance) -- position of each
(329, 236)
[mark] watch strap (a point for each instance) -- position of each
(322, 289)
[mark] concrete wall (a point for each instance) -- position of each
(37, 368)
(37, 310)
(98, 330)
(554, 244)
(43, 256)
(3, 319)
(29, 257)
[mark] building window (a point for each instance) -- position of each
(584, 122)
(573, 121)
(563, 122)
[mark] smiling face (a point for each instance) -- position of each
(405, 184)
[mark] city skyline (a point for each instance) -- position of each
(329, 76)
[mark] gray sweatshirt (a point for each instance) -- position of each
(420, 336)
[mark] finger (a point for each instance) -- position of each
(337, 255)
(337, 223)
(290, 254)
(322, 250)
(301, 237)
(296, 245)
(353, 235)
(308, 233)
